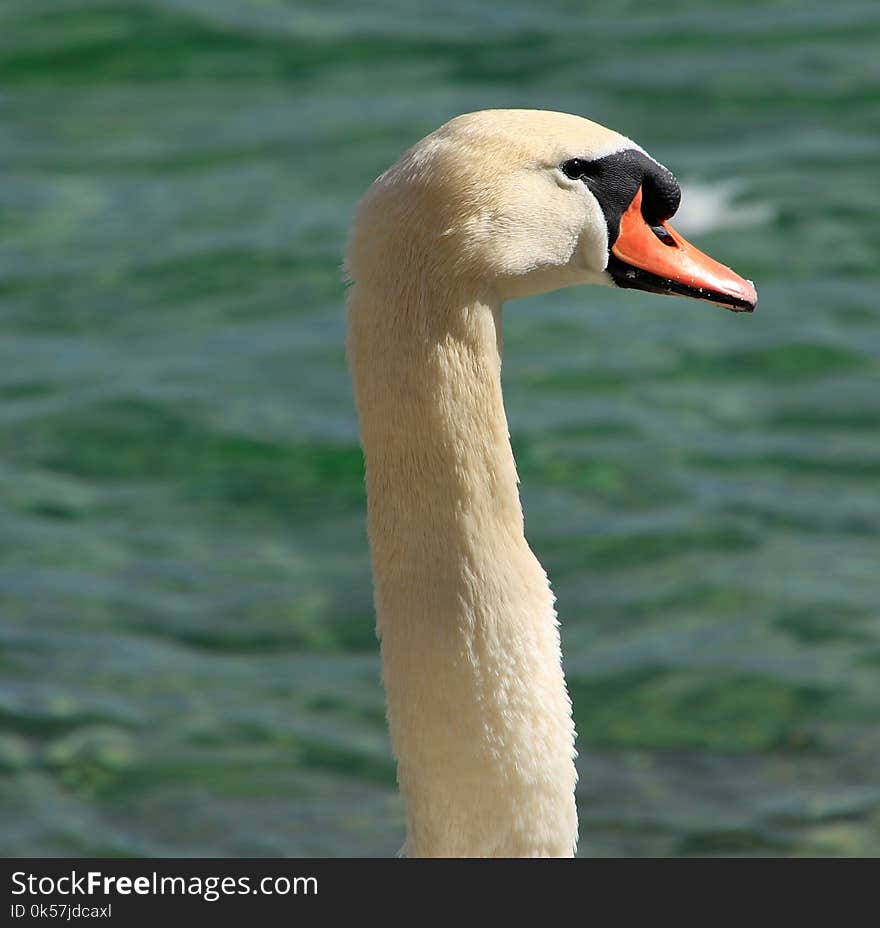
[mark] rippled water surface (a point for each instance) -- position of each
(188, 664)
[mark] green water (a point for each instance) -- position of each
(188, 664)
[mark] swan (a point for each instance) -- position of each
(492, 206)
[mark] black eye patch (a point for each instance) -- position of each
(614, 180)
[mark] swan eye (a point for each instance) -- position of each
(575, 168)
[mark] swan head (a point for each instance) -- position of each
(525, 201)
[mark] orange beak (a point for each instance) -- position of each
(658, 259)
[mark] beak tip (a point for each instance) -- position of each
(744, 292)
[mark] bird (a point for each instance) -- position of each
(492, 206)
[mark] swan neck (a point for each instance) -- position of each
(478, 711)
